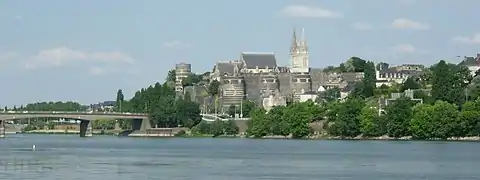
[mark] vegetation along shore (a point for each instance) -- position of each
(441, 103)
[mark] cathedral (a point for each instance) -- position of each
(257, 77)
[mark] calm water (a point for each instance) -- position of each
(108, 158)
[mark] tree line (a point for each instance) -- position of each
(446, 104)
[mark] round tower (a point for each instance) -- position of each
(182, 71)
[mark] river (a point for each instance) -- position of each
(123, 158)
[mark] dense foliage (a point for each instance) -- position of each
(50, 106)
(216, 128)
(445, 105)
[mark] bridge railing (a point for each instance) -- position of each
(74, 113)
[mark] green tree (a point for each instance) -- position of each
(331, 94)
(119, 101)
(171, 76)
(213, 88)
(232, 110)
(230, 128)
(191, 80)
(247, 107)
(398, 116)
(344, 118)
(410, 83)
(449, 82)
(371, 124)
(369, 79)
(257, 126)
(435, 121)
(298, 116)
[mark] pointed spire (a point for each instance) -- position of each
(293, 46)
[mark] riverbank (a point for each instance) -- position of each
(316, 137)
(67, 132)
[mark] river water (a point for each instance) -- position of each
(122, 158)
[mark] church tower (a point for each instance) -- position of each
(299, 53)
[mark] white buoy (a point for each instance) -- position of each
(33, 147)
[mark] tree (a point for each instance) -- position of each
(171, 76)
(213, 88)
(230, 128)
(232, 110)
(449, 82)
(410, 83)
(369, 79)
(371, 124)
(119, 101)
(191, 79)
(247, 107)
(344, 118)
(398, 116)
(434, 121)
(257, 127)
(331, 94)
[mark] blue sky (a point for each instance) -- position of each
(84, 50)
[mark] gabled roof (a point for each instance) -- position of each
(260, 60)
(226, 68)
(470, 61)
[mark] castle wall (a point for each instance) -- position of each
(233, 90)
(284, 80)
(301, 83)
(257, 85)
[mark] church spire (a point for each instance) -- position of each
(293, 46)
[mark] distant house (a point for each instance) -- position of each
(103, 106)
(397, 74)
(472, 63)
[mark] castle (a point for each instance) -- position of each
(257, 77)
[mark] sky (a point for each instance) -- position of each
(85, 50)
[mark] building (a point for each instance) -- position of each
(299, 54)
(182, 71)
(472, 63)
(397, 74)
(105, 106)
(257, 77)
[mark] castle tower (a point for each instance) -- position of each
(299, 54)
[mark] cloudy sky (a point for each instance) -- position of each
(84, 50)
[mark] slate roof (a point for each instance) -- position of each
(225, 68)
(394, 70)
(260, 60)
(470, 61)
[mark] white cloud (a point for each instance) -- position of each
(404, 23)
(404, 48)
(474, 39)
(310, 12)
(177, 44)
(60, 56)
(362, 26)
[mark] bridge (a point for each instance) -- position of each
(140, 120)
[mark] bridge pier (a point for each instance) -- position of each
(2, 129)
(86, 128)
(141, 124)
